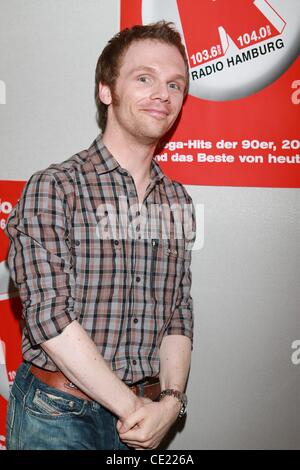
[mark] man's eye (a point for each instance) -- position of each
(143, 79)
(174, 85)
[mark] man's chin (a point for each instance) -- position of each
(152, 134)
(150, 139)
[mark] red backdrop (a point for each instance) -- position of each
(261, 128)
(206, 148)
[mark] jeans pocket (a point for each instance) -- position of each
(53, 405)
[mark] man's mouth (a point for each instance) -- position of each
(156, 113)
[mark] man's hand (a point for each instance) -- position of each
(146, 427)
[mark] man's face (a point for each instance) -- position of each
(149, 91)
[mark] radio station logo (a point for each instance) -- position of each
(234, 48)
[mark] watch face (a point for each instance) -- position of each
(182, 410)
(184, 399)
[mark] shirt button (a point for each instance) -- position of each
(77, 242)
(137, 278)
(116, 242)
(134, 362)
(135, 320)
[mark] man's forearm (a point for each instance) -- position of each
(175, 359)
(147, 427)
(77, 357)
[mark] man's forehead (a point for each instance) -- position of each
(147, 54)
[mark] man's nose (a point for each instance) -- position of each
(161, 92)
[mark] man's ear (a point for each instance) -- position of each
(105, 94)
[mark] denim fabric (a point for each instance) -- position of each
(44, 418)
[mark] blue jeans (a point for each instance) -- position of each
(43, 418)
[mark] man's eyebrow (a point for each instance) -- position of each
(146, 68)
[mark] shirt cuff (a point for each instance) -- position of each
(47, 319)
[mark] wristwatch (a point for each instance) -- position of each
(179, 395)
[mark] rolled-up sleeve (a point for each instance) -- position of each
(40, 259)
(182, 322)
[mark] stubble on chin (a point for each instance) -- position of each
(143, 130)
(150, 133)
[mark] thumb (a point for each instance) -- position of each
(130, 422)
(119, 425)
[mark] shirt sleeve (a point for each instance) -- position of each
(39, 257)
(182, 322)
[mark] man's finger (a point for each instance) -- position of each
(130, 422)
(131, 435)
(136, 444)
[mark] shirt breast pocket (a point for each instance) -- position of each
(167, 260)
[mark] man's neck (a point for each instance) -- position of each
(135, 156)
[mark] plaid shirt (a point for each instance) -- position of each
(69, 263)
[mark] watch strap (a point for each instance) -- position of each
(179, 395)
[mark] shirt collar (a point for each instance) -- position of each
(104, 161)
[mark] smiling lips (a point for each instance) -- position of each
(157, 113)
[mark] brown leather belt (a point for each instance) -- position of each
(59, 381)
(151, 388)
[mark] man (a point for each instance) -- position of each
(106, 305)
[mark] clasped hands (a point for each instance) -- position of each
(147, 425)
